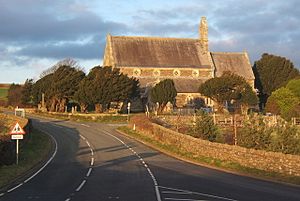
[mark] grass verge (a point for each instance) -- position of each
(31, 154)
(232, 167)
(100, 119)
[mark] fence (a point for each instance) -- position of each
(296, 121)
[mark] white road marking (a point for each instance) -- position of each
(89, 172)
(92, 152)
(197, 193)
(176, 192)
(141, 159)
(14, 188)
(50, 159)
(80, 186)
(85, 125)
(68, 199)
(82, 137)
(182, 199)
(57, 126)
(1, 194)
(92, 161)
(88, 143)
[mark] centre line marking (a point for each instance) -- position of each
(92, 152)
(81, 185)
(89, 172)
(92, 161)
(158, 198)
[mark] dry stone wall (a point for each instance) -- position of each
(268, 161)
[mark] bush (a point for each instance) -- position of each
(282, 137)
(205, 128)
(285, 138)
(254, 134)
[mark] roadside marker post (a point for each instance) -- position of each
(17, 134)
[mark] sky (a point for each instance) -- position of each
(36, 34)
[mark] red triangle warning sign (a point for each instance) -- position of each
(17, 130)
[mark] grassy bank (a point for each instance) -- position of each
(86, 117)
(31, 154)
(208, 161)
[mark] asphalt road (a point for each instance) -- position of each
(94, 162)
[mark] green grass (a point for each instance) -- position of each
(225, 165)
(3, 93)
(31, 154)
(100, 119)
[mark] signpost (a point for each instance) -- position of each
(17, 134)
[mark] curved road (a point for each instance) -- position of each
(94, 162)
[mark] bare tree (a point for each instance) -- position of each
(65, 62)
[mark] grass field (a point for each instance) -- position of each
(3, 93)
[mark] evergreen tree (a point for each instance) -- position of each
(163, 92)
(27, 92)
(272, 72)
(229, 87)
(205, 128)
(14, 95)
(104, 85)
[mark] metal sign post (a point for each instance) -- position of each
(17, 152)
(17, 134)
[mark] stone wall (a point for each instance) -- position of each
(268, 161)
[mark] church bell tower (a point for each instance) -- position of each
(203, 34)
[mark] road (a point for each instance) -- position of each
(94, 162)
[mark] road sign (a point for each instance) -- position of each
(17, 137)
(17, 130)
(17, 134)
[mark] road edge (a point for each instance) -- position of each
(35, 170)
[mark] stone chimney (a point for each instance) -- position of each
(203, 34)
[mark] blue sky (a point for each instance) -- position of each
(36, 34)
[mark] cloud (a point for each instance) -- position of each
(50, 30)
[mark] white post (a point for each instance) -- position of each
(17, 152)
(214, 117)
(128, 110)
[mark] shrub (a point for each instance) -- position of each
(205, 128)
(285, 138)
(254, 134)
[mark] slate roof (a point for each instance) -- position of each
(158, 52)
(182, 85)
(236, 62)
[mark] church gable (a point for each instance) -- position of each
(235, 62)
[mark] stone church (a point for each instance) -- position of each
(188, 62)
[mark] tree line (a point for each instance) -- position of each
(66, 82)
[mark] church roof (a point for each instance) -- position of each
(158, 52)
(236, 62)
(182, 85)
